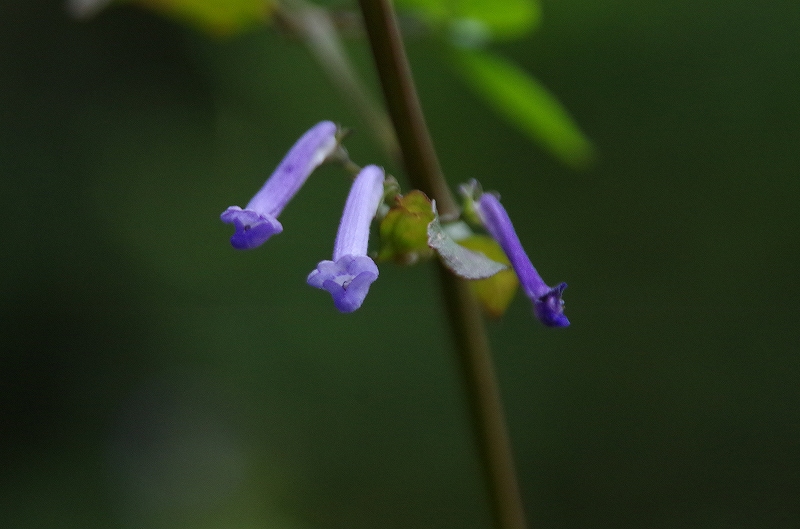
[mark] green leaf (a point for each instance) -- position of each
(527, 104)
(461, 261)
(499, 19)
(219, 17)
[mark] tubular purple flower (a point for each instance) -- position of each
(547, 303)
(351, 272)
(258, 221)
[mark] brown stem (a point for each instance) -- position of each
(416, 146)
(465, 318)
(480, 381)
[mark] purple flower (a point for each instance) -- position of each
(258, 221)
(547, 304)
(348, 276)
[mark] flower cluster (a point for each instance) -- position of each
(350, 273)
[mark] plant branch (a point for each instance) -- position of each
(416, 146)
(465, 318)
(320, 35)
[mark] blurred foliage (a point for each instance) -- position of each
(219, 17)
(478, 19)
(526, 103)
(466, 24)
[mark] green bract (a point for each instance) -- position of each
(404, 229)
(411, 232)
(462, 262)
(494, 293)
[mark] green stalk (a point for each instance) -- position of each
(314, 26)
(466, 321)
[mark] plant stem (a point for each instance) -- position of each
(319, 34)
(474, 354)
(416, 146)
(466, 320)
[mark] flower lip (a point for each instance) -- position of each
(351, 272)
(348, 280)
(252, 229)
(549, 309)
(258, 221)
(547, 303)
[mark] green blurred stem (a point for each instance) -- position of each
(318, 32)
(466, 320)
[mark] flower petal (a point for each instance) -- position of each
(362, 203)
(549, 309)
(547, 304)
(306, 154)
(347, 280)
(252, 229)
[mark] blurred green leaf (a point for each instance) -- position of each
(220, 17)
(500, 19)
(525, 103)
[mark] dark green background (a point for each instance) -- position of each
(152, 377)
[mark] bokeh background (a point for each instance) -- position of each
(150, 376)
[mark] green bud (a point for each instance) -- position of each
(404, 229)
